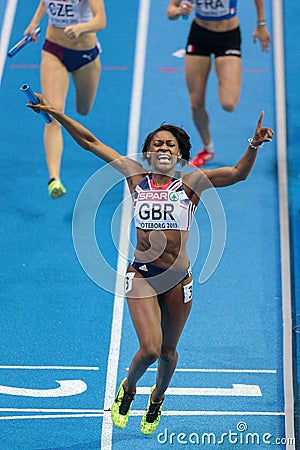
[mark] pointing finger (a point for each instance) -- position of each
(259, 123)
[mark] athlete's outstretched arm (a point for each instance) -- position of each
(37, 17)
(226, 176)
(88, 140)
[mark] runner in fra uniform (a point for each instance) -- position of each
(215, 31)
(158, 282)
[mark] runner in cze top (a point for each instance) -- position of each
(158, 282)
(71, 46)
(214, 31)
(65, 13)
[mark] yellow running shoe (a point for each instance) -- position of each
(120, 409)
(151, 417)
(55, 188)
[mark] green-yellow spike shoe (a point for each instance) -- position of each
(151, 417)
(120, 409)
(56, 188)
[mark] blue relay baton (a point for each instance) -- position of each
(34, 100)
(184, 16)
(24, 41)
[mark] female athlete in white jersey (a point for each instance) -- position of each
(158, 282)
(71, 47)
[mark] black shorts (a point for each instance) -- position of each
(203, 42)
(162, 280)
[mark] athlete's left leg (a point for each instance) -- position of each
(86, 81)
(55, 84)
(174, 316)
(229, 73)
(175, 310)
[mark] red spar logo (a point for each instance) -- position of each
(153, 196)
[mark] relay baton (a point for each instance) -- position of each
(24, 41)
(185, 16)
(34, 100)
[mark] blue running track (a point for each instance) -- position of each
(66, 338)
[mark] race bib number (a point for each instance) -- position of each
(128, 281)
(188, 292)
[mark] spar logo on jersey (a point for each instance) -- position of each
(152, 196)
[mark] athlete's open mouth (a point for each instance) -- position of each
(164, 157)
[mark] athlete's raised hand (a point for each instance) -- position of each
(261, 134)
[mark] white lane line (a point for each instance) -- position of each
(213, 413)
(153, 369)
(49, 368)
(237, 390)
(278, 37)
(51, 410)
(139, 413)
(50, 416)
(6, 32)
(123, 251)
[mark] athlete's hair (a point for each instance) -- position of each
(182, 137)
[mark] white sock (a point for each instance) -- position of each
(210, 147)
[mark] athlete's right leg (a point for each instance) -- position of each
(146, 317)
(197, 69)
(55, 84)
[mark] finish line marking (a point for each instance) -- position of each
(137, 413)
(219, 370)
(237, 390)
(49, 368)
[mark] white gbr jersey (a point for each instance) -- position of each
(68, 12)
(162, 208)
